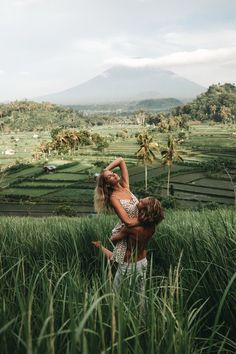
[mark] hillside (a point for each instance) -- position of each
(121, 83)
(218, 104)
(152, 104)
(29, 115)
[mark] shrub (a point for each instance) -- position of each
(65, 210)
(168, 202)
(211, 205)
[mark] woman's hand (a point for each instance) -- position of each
(114, 164)
(96, 243)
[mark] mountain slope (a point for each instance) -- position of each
(122, 83)
(218, 104)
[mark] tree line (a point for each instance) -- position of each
(217, 104)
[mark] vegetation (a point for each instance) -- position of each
(56, 289)
(206, 148)
(200, 178)
(56, 294)
(168, 156)
(146, 152)
(28, 115)
(65, 210)
(217, 104)
(68, 142)
(32, 116)
(158, 104)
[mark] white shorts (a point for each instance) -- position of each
(138, 268)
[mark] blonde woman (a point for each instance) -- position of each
(112, 193)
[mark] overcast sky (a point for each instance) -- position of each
(51, 45)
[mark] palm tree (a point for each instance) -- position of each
(145, 152)
(168, 156)
(140, 117)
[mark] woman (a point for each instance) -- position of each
(113, 193)
(150, 213)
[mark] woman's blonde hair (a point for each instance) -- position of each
(102, 194)
(151, 212)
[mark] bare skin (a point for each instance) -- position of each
(137, 241)
(104, 250)
(120, 190)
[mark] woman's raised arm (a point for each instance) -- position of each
(120, 162)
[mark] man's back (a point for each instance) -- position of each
(137, 241)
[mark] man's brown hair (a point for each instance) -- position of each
(151, 212)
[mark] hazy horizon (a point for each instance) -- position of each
(50, 46)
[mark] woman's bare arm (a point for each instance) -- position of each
(104, 250)
(120, 162)
(134, 232)
(121, 213)
(124, 231)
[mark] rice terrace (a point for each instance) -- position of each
(56, 289)
(200, 178)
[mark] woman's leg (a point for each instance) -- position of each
(117, 280)
(119, 276)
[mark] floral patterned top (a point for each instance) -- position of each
(131, 209)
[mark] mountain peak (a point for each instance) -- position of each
(124, 83)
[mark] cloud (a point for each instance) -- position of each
(199, 56)
(199, 38)
(91, 45)
(24, 73)
(64, 43)
(26, 2)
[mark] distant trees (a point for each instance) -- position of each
(29, 115)
(141, 117)
(147, 153)
(167, 122)
(100, 141)
(66, 141)
(217, 104)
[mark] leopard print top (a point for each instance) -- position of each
(131, 209)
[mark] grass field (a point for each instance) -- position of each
(56, 289)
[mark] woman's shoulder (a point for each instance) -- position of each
(120, 193)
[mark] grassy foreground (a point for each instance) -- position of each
(56, 294)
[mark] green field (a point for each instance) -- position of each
(73, 177)
(56, 288)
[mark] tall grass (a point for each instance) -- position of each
(56, 289)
